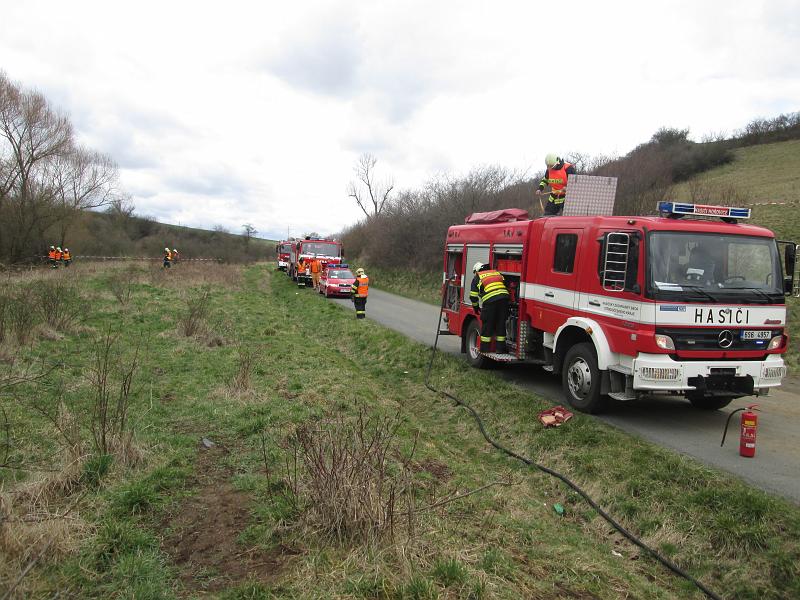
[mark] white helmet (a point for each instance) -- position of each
(166, 249)
(359, 271)
(550, 160)
(477, 267)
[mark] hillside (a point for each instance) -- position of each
(758, 174)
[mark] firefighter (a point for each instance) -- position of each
(174, 255)
(359, 292)
(556, 176)
(167, 258)
(302, 265)
(59, 255)
(316, 269)
(489, 298)
(67, 256)
(51, 257)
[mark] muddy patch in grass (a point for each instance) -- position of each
(204, 529)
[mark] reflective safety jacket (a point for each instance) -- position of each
(58, 255)
(487, 286)
(316, 266)
(167, 255)
(67, 256)
(360, 287)
(556, 178)
(51, 254)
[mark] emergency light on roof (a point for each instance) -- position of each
(679, 209)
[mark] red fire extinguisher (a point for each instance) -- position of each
(747, 432)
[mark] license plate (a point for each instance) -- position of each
(763, 334)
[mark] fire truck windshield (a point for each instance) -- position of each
(320, 248)
(713, 267)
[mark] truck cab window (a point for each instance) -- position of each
(564, 254)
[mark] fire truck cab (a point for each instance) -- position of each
(326, 251)
(627, 307)
(282, 250)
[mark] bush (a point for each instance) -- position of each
(58, 301)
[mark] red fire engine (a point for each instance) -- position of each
(326, 251)
(282, 250)
(626, 307)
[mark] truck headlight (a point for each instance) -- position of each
(665, 342)
(775, 343)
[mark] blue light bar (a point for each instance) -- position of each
(705, 210)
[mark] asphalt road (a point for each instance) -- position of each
(672, 423)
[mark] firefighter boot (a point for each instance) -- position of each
(500, 347)
(486, 344)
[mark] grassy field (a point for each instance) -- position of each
(213, 432)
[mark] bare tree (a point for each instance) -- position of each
(34, 134)
(81, 180)
(369, 193)
(249, 232)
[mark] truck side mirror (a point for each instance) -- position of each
(789, 260)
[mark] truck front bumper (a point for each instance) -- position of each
(660, 373)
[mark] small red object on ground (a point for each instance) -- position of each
(554, 417)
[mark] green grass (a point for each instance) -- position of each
(315, 362)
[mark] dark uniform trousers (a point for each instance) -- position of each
(361, 307)
(493, 324)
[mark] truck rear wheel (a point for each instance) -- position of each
(709, 402)
(474, 357)
(580, 379)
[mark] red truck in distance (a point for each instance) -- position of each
(283, 250)
(326, 251)
(628, 307)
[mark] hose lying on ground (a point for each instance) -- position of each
(630, 536)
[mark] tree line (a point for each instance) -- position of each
(406, 230)
(54, 190)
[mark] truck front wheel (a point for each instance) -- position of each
(474, 357)
(580, 379)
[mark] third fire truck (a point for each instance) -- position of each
(627, 307)
(326, 251)
(282, 250)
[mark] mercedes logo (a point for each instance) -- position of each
(725, 339)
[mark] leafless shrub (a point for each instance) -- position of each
(247, 358)
(58, 301)
(198, 306)
(121, 284)
(111, 379)
(5, 302)
(349, 480)
(22, 314)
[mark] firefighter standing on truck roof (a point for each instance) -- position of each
(489, 298)
(359, 291)
(558, 171)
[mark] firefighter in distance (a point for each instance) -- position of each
(359, 291)
(489, 297)
(556, 176)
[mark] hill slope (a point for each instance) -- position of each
(758, 174)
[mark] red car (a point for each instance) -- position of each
(336, 280)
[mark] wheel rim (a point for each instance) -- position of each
(579, 378)
(474, 351)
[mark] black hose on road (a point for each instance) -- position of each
(630, 536)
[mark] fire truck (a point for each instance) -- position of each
(282, 250)
(631, 307)
(324, 250)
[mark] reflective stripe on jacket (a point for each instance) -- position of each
(557, 180)
(487, 285)
(67, 256)
(51, 255)
(360, 287)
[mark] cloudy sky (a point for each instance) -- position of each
(230, 112)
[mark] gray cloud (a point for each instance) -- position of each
(322, 57)
(208, 181)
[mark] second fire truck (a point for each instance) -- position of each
(627, 307)
(326, 251)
